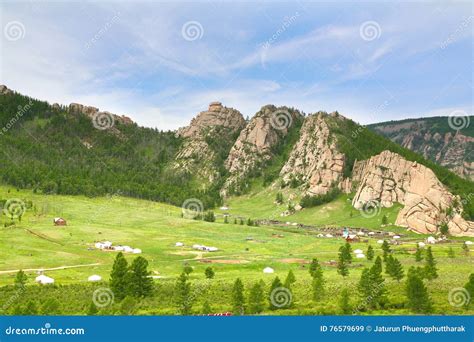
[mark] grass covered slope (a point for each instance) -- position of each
(34, 243)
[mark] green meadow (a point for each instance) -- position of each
(67, 253)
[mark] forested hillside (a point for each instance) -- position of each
(54, 151)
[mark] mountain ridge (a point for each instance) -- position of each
(219, 153)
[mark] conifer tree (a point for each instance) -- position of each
(275, 284)
(119, 277)
(206, 308)
(316, 272)
(140, 284)
(430, 270)
(51, 307)
(344, 302)
(370, 253)
(256, 298)
(347, 252)
(238, 299)
(92, 310)
(386, 249)
(290, 279)
(418, 254)
(182, 295)
(394, 268)
(417, 294)
(470, 287)
(341, 263)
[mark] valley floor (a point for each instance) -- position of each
(67, 253)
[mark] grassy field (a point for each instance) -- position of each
(35, 243)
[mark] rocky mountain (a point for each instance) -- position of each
(68, 150)
(207, 141)
(257, 144)
(449, 141)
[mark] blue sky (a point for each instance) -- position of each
(161, 63)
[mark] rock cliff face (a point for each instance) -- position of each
(207, 141)
(388, 178)
(253, 148)
(4, 90)
(436, 140)
(315, 161)
(92, 112)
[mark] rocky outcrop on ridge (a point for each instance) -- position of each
(388, 178)
(4, 90)
(315, 161)
(253, 148)
(93, 112)
(209, 134)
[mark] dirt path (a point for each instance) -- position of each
(49, 269)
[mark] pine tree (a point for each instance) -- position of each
(341, 263)
(316, 272)
(290, 279)
(465, 248)
(417, 294)
(209, 272)
(344, 302)
(431, 271)
(226, 220)
(182, 294)
(370, 253)
(418, 254)
(256, 298)
(384, 220)
(394, 268)
(188, 269)
(238, 299)
(139, 282)
(119, 277)
(347, 252)
(20, 279)
(386, 249)
(275, 284)
(377, 282)
(364, 286)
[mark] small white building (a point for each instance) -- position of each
(94, 277)
(358, 251)
(329, 236)
(137, 251)
(371, 233)
(431, 240)
(42, 279)
(380, 241)
(360, 255)
(268, 270)
(421, 244)
(468, 243)
(127, 249)
(179, 244)
(396, 237)
(118, 248)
